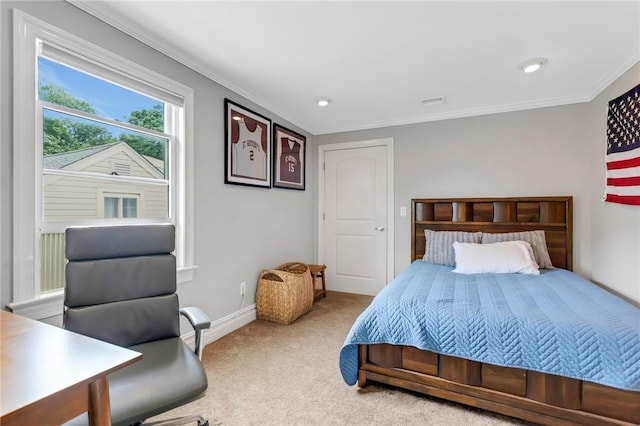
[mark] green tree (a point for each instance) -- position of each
(88, 135)
(57, 95)
(152, 119)
(57, 137)
(67, 134)
(145, 145)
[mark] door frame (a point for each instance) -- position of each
(386, 142)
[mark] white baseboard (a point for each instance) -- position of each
(49, 309)
(224, 326)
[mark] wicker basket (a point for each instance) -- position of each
(284, 293)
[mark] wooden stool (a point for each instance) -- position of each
(317, 271)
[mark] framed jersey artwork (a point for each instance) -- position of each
(247, 147)
(289, 150)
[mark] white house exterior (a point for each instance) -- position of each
(71, 193)
(106, 181)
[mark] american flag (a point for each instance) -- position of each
(623, 149)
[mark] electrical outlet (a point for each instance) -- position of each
(243, 288)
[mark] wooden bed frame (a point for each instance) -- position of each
(536, 397)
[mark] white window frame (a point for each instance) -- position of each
(120, 196)
(27, 159)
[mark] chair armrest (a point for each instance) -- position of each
(196, 316)
(200, 322)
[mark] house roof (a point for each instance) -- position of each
(65, 159)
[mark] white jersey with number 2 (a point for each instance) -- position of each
(249, 159)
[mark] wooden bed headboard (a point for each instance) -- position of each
(554, 215)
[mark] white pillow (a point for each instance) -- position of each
(509, 257)
(535, 238)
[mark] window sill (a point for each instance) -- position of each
(51, 305)
(185, 274)
(46, 306)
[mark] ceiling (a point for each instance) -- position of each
(378, 60)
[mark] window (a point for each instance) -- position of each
(120, 207)
(102, 141)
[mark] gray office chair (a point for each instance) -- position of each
(121, 288)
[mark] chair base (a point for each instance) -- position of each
(178, 421)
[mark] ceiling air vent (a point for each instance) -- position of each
(432, 101)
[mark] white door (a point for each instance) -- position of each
(355, 237)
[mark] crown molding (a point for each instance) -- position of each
(471, 112)
(616, 72)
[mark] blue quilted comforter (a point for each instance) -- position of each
(555, 322)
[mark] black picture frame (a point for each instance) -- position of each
(247, 159)
(289, 158)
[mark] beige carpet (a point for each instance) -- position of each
(270, 374)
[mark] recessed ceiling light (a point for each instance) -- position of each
(432, 101)
(532, 65)
(323, 102)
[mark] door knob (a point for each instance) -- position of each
(379, 228)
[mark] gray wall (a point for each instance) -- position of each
(238, 230)
(546, 151)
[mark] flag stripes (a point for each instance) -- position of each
(623, 149)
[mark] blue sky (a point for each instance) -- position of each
(109, 100)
